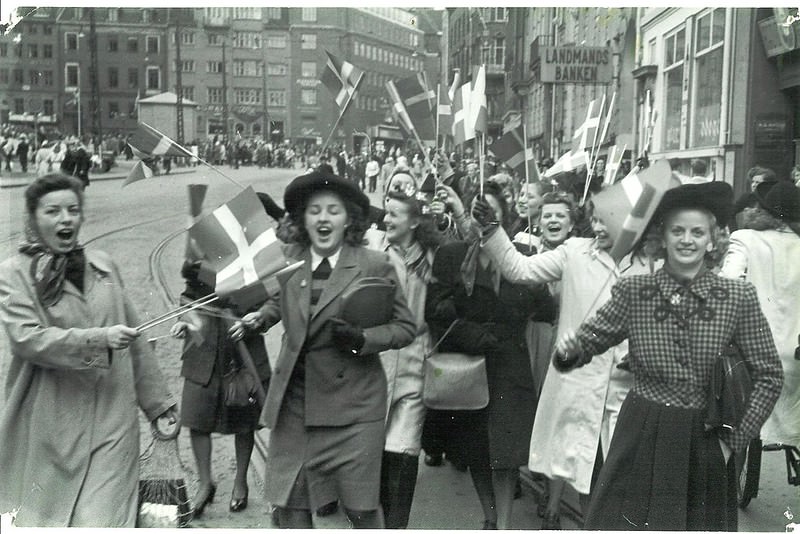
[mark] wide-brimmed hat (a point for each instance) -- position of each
(716, 197)
(781, 199)
(302, 187)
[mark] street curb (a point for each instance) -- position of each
(26, 180)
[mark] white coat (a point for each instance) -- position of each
(770, 260)
(577, 410)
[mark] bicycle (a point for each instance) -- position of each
(749, 468)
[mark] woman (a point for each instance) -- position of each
(78, 368)
(490, 315)
(664, 470)
(766, 253)
(411, 240)
(208, 355)
(327, 399)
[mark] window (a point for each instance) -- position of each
(71, 74)
(33, 51)
(48, 106)
(486, 52)
(277, 69)
(48, 30)
(308, 69)
(4, 76)
(47, 51)
(276, 98)
(214, 67)
(245, 68)
(308, 41)
(707, 97)
(33, 29)
(674, 51)
(187, 92)
(3, 49)
(273, 13)
(247, 96)
(18, 50)
(113, 77)
(47, 78)
(152, 44)
(187, 38)
(309, 14)
(214, 39)
(308, 97)
(247, 40)
(276, 41)
(19, 105)
(355, 48)
(214, 95)
(113, 14)
(133, 44)
(113, 109)
(33, 77)
(153, 78)
(249, 13)
(133, 78)
(70, 40)
(113, 44)
(500, 13)
(500, 51)
(187, 65)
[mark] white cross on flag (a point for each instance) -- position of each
(342, 79)
(511, 149)
(570, 161)
(242, 255)
(418, 99)
(584, 136)
(147, 142)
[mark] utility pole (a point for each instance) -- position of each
(224, 94)
(178, 78)
(94, 79)
(267, 128)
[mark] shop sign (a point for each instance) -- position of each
(770, 131)
(575, 64)
(777, 36)
(308, 82)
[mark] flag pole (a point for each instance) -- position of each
(590, 166)
(438, 103)
(191, 155)
(527, 181)
(341, 114)
(479, 141)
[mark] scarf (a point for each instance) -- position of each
(415, 261)
(49, 271)
(469, 268)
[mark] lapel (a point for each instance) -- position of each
(346, 270)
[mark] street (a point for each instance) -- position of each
(130, 224)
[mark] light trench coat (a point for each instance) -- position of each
(69, 431)
(770, 260)
(405, 413)
(577, 409)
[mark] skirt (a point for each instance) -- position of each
(309, 467)
(663, 472)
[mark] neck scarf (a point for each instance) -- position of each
(415, 260)
(49, 271)
(469, 269)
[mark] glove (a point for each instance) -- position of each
(565, 362)
(483, 213)
(348, 337)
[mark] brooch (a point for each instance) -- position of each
(675, 299)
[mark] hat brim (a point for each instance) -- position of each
(716, 197)
(302, 187)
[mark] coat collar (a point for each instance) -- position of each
(700, 286)
(345, 271)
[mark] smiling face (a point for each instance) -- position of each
(604, 241)
(400, 223)
(529, 201)
(325, 219)
(58, 218)
(687, 236)
(555, 223)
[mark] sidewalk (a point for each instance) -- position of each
(118, 172)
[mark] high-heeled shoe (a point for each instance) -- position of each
(489, 525)
(238, 503)
(200, 506)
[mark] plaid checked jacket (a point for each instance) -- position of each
(675, 333)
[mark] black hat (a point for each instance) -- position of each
(298, 191)
(272, 209)
(716, 197)
(781, 199)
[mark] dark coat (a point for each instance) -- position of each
(340, 388)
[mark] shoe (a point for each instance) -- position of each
(489, 525)
(518, 490)
(551, 522)
(434, 460)
(200, 507)
(238, 503)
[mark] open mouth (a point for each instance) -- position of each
(553, 227)
(324, 231)
(65, 234)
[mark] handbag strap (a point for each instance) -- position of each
(436, 345)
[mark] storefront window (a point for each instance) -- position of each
(708, 81)
(674, 51)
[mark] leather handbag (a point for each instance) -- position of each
(240, 388)
(729, 391)
(454, 380)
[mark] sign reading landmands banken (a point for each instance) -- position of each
(575, 64)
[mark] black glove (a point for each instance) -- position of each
(483, 213)
(348, 337)
(565, 362)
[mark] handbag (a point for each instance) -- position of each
(729, 390)
(240, 388)
(454, 380)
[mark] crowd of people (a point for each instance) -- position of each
(598, 366)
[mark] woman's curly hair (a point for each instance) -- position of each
(357, 224)
(427, 233)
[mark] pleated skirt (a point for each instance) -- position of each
(663, 472)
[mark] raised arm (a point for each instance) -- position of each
(519, 268)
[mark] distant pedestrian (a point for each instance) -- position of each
(372, 171)
(22, 152)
